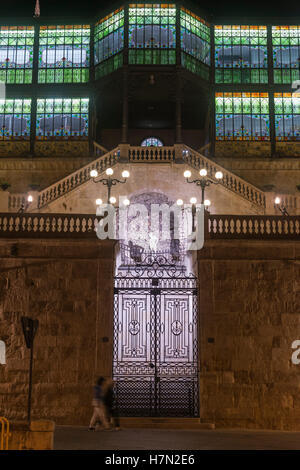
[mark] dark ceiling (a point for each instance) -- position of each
(88, 8)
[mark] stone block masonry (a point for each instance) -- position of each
(249, 310)
(68, 287)
(249, 315)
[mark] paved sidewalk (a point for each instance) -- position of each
(79, 438)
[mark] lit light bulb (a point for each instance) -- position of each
(94, 173)
(30, 198)
(187, 174)
(207, 203)
(203, 172)
(277, 200)
(99, 202)
(126, 202)
(125, 174)
(219, 175)
(112, 200)
(193, 200)
(179, 202)
(109, 171)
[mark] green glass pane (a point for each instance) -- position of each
(237, 76)
(11, 76)
(42, 76)
(2, 75)
(50, 76)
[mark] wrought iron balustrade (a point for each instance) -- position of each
(134, 255)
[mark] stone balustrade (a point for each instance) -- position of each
(151, 154)
(47, 225)
(77, 178)
(262, 201)
(230, 180)
(253, 227)
(14, 225)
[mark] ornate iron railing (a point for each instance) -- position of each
(14, 225)
(135, 255)
(229, 181)
(4, 433)
(77, 178)
(253, 227)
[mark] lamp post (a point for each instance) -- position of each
(204, 181)
(193, 202)
(109, 181)
(278, 205)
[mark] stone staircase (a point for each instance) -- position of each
(165, 155)
(165, 423)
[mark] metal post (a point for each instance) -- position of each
(30, 385)
(29, 330)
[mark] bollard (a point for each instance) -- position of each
(5, 434)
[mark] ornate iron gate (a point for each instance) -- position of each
(155, 363)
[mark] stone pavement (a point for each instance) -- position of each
(79, 438)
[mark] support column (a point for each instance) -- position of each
(271, 94)
(35, 73)
(125, 107)
(178, 108)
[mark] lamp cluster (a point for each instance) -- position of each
(203, 182)
(109, 182)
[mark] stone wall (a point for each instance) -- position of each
(281, 175)
(68, 287)
(242, 149)
(249, 317)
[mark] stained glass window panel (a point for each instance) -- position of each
(15, 115)
(109, 36)
(286, 53)
(64, 54)
(287, 116)
(16, 54)
(242, 116)
(195, 36)
(62, 118)
(241, 54)
(152, 142)
(152, 34)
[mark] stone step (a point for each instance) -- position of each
(165, 423)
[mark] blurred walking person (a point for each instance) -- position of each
(99, 413)
(112, 414)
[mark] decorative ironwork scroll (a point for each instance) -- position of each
(155, 363)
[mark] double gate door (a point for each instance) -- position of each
(155, 361)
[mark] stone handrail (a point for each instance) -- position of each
(229, 181)
(15, 201)
(151, 154)
(99, 150)
(77, 178)
(34, 225)
(48, 225)
(253, 227)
